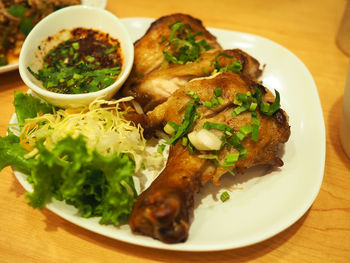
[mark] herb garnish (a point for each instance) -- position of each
(235, 67)
(224, 196)
(230, 138)
(184, 46)
(216, 100)
(266, 108)
(80, 65)
(250, 102)
(181, 130)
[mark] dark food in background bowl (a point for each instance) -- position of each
(17, 18)
(89, 61)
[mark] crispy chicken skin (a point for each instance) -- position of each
(155, 87)
(149, 57)
(149, 49)
(152, 80)
(165, 209)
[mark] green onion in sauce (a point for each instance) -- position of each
(87, 62)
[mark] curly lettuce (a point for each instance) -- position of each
(12, 154)
(66, 161)
(96, 185)
(27, 106)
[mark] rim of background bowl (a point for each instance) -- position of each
(44, 92)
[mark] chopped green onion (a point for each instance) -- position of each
(217, 92)
(193, 95)
(184, 45)
(75, 56)
(208, 156)
(243, 132)
(190, 117)
(217, 126)
(160, 148)
(170, 127)
(231, 159)
(214, 102)
(69, 82)
(255, 126)
(75, 45)
(235, 141)
(224, 196)
(236, 66)
(228, 133)
(253, 106)
(236, 101)
(208, 104)
(240, 109)
(242, 152)
(90, 59)
(190, 147)
(242, 97)
(171, 58)
(112, 49)
(221, 101)
(275, 105)
(184, 141)
(266, 108)
(224, 167)
(174, 28)
(77, 76)
(216, 64)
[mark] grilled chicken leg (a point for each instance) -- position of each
(165, 209)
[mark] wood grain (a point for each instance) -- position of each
(308, 29)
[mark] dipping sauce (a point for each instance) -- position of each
(87, 62)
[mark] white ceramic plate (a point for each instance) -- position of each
(95, 3)
(263, 202)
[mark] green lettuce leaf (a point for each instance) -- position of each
(28, 106)
(94, 184)
(12, 153)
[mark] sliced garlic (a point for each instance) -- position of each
(204, 140)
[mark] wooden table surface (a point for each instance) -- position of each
(307, 28)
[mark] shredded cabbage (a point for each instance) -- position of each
(102, 125)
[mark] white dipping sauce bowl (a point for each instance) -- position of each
(69, 18)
